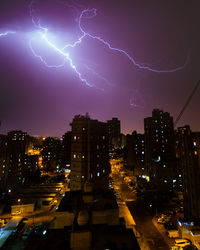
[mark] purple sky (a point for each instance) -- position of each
(162, 35)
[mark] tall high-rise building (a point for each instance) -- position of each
(66, 151)
(114, 132)
(19, 160)
(196, 143)
(17, 143)
(3, 162)
(189, 159)
(51, 154)
(89, 153)
(135, 153)
(160, 156)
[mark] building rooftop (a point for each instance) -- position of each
(102, 199)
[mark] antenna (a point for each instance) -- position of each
(187, 103)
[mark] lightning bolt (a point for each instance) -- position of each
(43, 34)
(7, 33)
(97, 75)
(84, 14)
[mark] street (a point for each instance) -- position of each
(136, 214)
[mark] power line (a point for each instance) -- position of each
(187, 103)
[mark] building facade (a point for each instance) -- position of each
(160, 154)
(114, 129)
(66, 151)
(89, 153)
(135, 153)
(51, 154)
(13, 161)
(189, 160)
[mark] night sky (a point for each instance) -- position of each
(162, 38)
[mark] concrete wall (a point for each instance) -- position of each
(62, 219)
(109, 217)
(22, 209)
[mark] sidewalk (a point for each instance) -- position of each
(160, 227)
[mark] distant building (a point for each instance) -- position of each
(196, 143)
(13, 159)
(114, 131)
(89, 153)
(160, 155)
(189, 158)
(135, 153)
(51, 154)
(123, 140)
(66, 151)
(3, 162)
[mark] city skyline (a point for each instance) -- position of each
(154, 63)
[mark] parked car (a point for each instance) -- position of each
(181, 242)
(161, 220)
(175, 248)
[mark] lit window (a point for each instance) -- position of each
(74, 137)
(97, 156)
(74, 155)
(83, 156)
(97, 146)
(82, 176)
(91, 175)
(98, 174)
(174, 181)
(103, 170)
(143, 152)
(103, 137)
(179, 175)
(83, 129)
(195, 143)
(164, 166)
(195, 152)
(165, 181)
